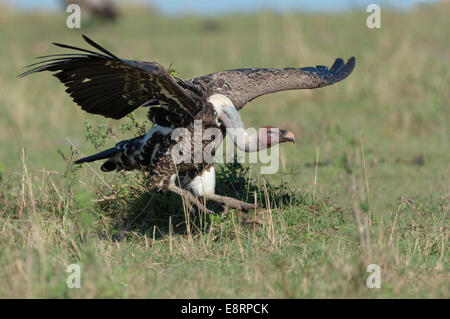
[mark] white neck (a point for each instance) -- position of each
(244, 141)
(235, 129)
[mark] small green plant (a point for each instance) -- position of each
(172, 70)
(97, 137)
(140, 128)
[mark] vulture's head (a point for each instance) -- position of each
(269, 136)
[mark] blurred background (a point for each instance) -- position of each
(205, 7)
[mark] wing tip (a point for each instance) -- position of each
(337, 64)
(351, 62)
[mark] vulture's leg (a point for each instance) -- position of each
(189, 199)
(230, 202)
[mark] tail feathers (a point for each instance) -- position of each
(99, 156)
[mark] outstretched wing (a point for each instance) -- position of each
(243, 85)
(102, 83)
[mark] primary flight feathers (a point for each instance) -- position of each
(102, 83)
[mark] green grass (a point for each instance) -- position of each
(366, 182)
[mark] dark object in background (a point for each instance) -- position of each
(102, 9)
(418, 160)
(211, 25)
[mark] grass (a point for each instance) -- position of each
(366, 182)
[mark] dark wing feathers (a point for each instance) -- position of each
(102, 83)
(98, 47)
(243, 85)
(337, 64)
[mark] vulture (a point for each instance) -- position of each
(102, 83)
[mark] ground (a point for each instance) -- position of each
(367, 181)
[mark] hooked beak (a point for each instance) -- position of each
(287, 136)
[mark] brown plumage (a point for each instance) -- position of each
(101, 83)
